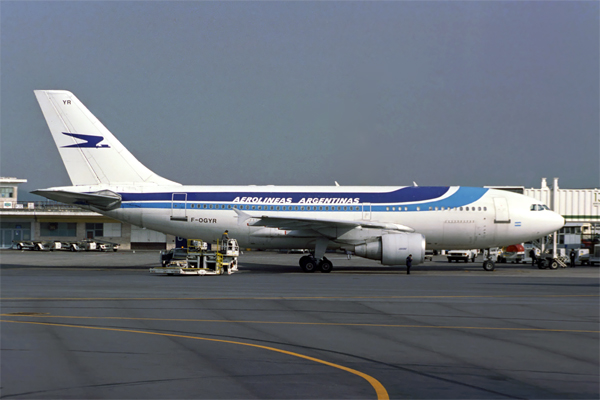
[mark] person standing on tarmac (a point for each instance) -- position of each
(533, 257)
(408, 264)
(572, 256)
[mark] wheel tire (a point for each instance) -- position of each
(19, 247)
(326, 266)
(553, 264)
(310, 265)
(489, 265)
(303, 260)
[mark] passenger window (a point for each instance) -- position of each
(418, 208)
(461, 209)
(479, 209)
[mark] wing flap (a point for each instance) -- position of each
(293, 223)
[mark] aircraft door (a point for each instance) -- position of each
(179, 207)
(502, 213)
(366, 211)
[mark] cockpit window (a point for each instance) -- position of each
(539, 207)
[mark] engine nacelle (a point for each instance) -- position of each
(393, 248)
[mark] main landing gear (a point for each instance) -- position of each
(311, 264)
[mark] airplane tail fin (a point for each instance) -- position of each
(91, 154)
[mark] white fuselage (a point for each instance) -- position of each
(448, 217)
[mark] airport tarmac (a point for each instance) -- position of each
(98, 325)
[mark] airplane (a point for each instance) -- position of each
(385, 223)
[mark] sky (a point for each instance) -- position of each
(468, 93)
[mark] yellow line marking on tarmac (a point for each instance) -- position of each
(310, 323)
(382, 394)
(298, 297)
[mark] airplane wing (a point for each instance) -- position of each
(298, 223)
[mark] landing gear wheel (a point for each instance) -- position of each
(310, 265)
(303, 260)
(326, 266)
(488, 265)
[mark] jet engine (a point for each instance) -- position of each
(393, 248)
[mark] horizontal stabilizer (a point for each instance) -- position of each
(104, 200)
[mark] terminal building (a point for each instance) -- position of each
(49, 220)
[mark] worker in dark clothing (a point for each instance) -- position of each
(408, 264)
(572, 256)
(533, 257)
(224, 240)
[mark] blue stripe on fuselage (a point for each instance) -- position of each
(403, 195)
(424, 197)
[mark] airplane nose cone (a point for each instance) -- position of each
(560, 221)
(555, 222)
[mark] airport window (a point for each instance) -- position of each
(94, 230)
(58, 228)
(6, 192)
